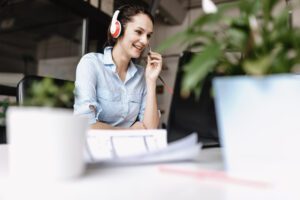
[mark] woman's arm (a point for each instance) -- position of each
(101, 125)
(154, 65)
(151, 118)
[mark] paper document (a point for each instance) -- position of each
(138, 146)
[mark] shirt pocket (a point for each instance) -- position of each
(109, 96)
(109, 102)
(134, 106)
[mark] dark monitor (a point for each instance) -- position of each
(190, 114)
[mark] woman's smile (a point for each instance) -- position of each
(138, 47)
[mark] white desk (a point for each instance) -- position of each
(139, 182)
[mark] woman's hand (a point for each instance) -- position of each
(138, 125)
(154, 66)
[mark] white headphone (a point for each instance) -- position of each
(115, 26)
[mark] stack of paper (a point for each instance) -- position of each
(138, 147)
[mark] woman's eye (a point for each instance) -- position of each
(148, 36)
(138, 32)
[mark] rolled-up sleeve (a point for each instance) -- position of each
(85, 89)
(143, 106)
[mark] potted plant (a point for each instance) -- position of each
(46, 141)
(259, 41)
(47, 93)
(257, 53)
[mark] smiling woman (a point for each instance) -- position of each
(111, 90)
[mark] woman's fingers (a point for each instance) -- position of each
(153, 62)
(155, 56)
(154, 66)
(154, 59)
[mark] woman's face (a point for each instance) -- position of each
(137, 35)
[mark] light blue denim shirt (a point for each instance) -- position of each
(102, 96)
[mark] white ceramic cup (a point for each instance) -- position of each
(45, 143)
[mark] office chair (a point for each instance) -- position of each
(190, 114)
(25, 84)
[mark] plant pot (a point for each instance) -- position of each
(258, 123)
(45, 143)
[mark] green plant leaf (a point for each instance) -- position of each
(259, 66)
(4, 104)
(199, 67)
(264, 45)
(47, 93)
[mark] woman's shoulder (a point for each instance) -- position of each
(92, 56)
(91, 60)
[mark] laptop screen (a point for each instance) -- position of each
(190, 114)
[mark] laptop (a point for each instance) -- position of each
(188, 115)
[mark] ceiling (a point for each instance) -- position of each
(197, 3)
(45, 8)
(15, 14)
(173, 12)
(23, 23)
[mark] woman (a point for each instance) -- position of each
(112, 91)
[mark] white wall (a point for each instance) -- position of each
(58, 57)
(296, 14)
(161, 33)
(61, 68)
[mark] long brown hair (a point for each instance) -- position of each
(126, 13)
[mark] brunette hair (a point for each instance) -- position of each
(126, 13)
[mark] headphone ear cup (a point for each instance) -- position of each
(116, 29)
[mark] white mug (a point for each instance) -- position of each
(45, 143)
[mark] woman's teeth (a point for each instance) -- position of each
(139, 48)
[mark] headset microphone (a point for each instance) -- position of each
(115, 27)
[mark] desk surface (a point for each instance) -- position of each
(126, 182)
(142, 182)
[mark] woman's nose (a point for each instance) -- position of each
(144, 40)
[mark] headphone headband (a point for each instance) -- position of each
(115, 16)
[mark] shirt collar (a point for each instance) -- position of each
(107, 60)
(107, 56)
